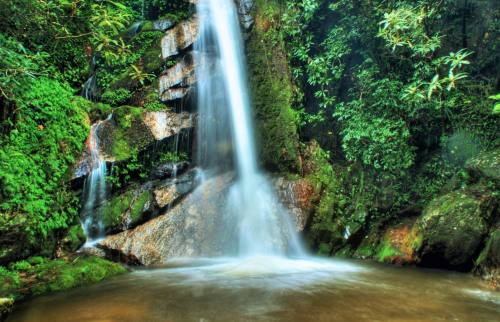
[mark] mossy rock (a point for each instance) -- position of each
(453, 227)
(485, 166)
(38, 275)
(62, 274)
(125, 210)
(74, 239)
(398, 244)
(126, 132)
(488, 262)
(272, 94)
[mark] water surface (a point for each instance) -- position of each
(272, 289)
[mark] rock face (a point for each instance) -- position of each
(133, 128)
(179, 38)
(488, 262)
(138, 204)
(166, 124)
(244, 10)
(453, 227)
(296, 197)
(195, 227)
(176, 81)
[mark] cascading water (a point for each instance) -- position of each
(225, 124)
(94, 188)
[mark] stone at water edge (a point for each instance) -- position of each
(297, 197)
(194, 227)
(488, 262)
(454, 226)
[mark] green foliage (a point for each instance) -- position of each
(118, 97)
(35, 157)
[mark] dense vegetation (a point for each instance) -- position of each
(402, 92)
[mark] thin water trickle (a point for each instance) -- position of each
(94, 187)
(225, 125)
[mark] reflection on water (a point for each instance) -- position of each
(272, 289)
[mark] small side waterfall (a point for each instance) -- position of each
(89, 89)
(225, 125)
(94, 189)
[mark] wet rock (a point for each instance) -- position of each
(244, 10)
(398, 244)
(140, 203)
(195, 227)
(175, 82)
(133, 128)
(166, 124)
(453, 227)
(297, 197)
(179, 38)
(169, 169)
(125, 210)
(488, 262)
(486, 165)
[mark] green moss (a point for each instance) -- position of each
(271, 88)
(113, 211)
(74, 239)
(490, 255)
(147, 26)
(366, 251)
(386, 251)
(116, 97)
(138, 206)
(120, 146)
(10, 282)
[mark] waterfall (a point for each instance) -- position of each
(94, 189)
(89, 88)
(225, 126)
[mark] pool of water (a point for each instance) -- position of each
(272, 289)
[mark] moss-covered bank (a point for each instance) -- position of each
(38, 275)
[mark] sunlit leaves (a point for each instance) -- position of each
(405, 27)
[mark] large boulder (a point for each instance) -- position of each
(195, 227)
(453, 227)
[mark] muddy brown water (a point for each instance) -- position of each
(270, 289)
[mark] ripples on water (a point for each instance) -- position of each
(272, 289)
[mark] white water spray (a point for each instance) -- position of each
(264, 227)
